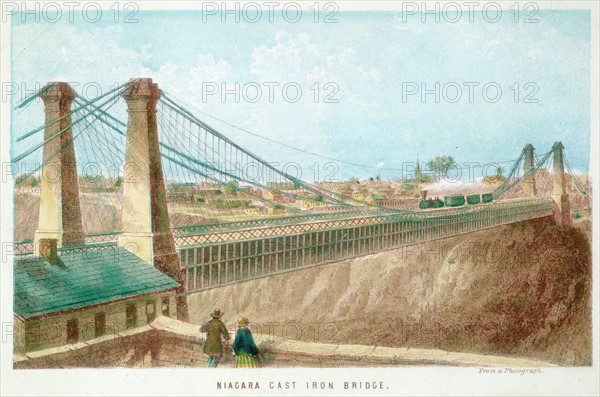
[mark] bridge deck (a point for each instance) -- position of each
(229, 231)
(217, 259)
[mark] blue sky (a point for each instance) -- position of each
(370, 56)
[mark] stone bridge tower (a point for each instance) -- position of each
(559, 189)
(145, 217)
(60, 211)
(529, 188)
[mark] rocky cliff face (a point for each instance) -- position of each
(522, 290)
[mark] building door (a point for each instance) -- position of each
(150, 311)
(130, 316)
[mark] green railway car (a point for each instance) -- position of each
(487, 198)
(473, 199)
(454, 200)
(436, 203)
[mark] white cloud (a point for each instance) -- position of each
(82, 56)
(297, 57)
(207, 69)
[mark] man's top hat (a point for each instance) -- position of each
(216, 313)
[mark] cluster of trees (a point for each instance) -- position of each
(283, 185)
(27, 180)
(440, 165)
(354, 180)
(101, 182)
(229, 204)
(420, 176)
(232, 187)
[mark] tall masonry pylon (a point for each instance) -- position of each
(559, 189)
(529, 188)
(60, 212)
(145, 217)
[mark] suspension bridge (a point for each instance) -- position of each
(208, 212)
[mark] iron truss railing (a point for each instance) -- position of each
(243, 255)
(270, 227)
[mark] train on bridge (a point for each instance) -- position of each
(455, 200)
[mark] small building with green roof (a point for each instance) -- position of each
(82, 293)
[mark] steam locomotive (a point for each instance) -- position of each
(455, 200)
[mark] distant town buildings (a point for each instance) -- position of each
(255, 201)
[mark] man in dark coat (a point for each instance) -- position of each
(214, 329)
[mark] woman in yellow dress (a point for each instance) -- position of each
(244, 348)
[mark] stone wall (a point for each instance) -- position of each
(171, 343)
(179, 351)
(131, 351)
(143, 347)
(19, 334)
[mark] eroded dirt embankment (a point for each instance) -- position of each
(520, 290)
(100, 213)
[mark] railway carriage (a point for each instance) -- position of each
(456, 200)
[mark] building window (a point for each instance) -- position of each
(150, 311)
(130, 316)
(99, 324)
(165, 306)
(72, 330)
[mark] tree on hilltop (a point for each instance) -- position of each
(440, 165)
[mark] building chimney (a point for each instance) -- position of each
(48, 249)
